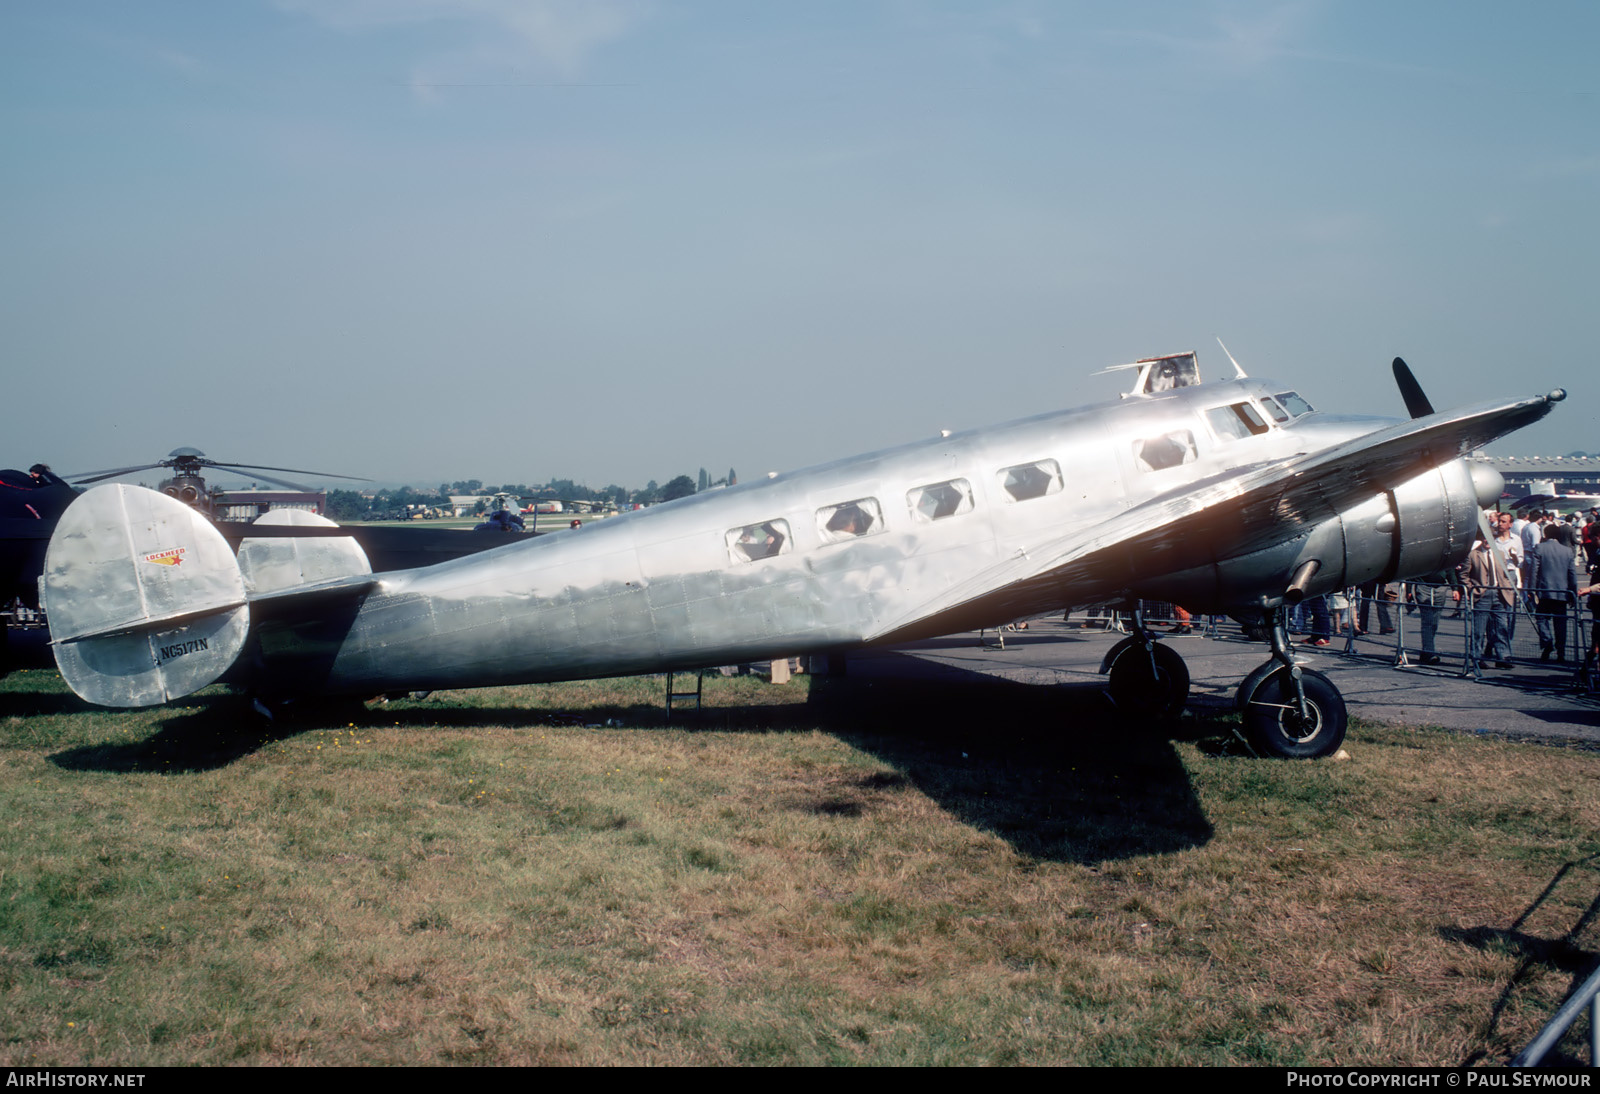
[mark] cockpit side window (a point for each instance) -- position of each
(850, 520)
(1279, 414)
(1236, 421)
(939, 500)
(1030, 480)
(754, 542)
(1167, 450)
(1294, 404)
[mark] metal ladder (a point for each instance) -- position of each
(683, 696)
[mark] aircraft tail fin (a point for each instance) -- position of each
(144, 599)
(276, 564)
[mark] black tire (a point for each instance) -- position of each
(1153, 684)
(1274, 725)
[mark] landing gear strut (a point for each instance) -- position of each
(1147, 679)
(1290, 711)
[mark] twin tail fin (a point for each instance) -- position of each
(146, 602)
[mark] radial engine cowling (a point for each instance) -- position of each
(1425, 525)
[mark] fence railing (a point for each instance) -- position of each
(1472, 631)
(1439, 626)
(1550, 1035)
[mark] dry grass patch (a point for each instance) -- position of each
(825, 872)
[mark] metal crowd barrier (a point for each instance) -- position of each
(1394, 623)
(1586, 997)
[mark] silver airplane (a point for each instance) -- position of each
(1231, 496)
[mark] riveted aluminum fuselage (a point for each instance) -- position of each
(666, 587)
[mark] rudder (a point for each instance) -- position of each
(144, 598)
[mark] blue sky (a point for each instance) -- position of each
(616, 241)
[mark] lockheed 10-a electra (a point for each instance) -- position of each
(1233, 496)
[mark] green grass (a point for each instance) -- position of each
(822, 872)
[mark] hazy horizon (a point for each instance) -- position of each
(624, 239)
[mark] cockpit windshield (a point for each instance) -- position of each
(1294, 404)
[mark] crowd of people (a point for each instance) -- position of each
(1534, 563)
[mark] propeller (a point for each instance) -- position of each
(1417, 404)
(1501, 559)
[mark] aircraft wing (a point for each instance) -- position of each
(1241, 510)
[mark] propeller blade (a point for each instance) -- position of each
(1417, 404)
(290, 470)
(96, 476)
(1488, 533)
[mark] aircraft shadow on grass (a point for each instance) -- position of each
(1052, 770)
(210, 731)
(44, 704)
(203, 733)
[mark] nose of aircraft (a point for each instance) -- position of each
(1489, 484)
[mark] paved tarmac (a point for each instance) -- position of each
(1530, 700)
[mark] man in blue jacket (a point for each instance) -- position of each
(1557, 585)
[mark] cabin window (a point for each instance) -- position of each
(1294, 404)
(1168, 450)
(1031, 480)
(850, 520)
(940, 500)
(1236, 421)
(757, 541)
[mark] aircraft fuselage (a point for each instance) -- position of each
(862, 544)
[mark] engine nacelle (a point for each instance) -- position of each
(1422, 526)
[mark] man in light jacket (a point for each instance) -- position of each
(1491, 594)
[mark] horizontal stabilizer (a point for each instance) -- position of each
(144, 599)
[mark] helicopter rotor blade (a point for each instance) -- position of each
(300, 486)
(96, 476)
(290, 470)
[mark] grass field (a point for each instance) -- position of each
(828, 871)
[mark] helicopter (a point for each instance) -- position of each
(36, 503)
(188, 483)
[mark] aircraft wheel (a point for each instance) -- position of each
(1151, 684)
(1275, 726)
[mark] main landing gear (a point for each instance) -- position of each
(1290, 711)
(1148, 680)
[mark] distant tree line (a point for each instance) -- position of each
(351, 505)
